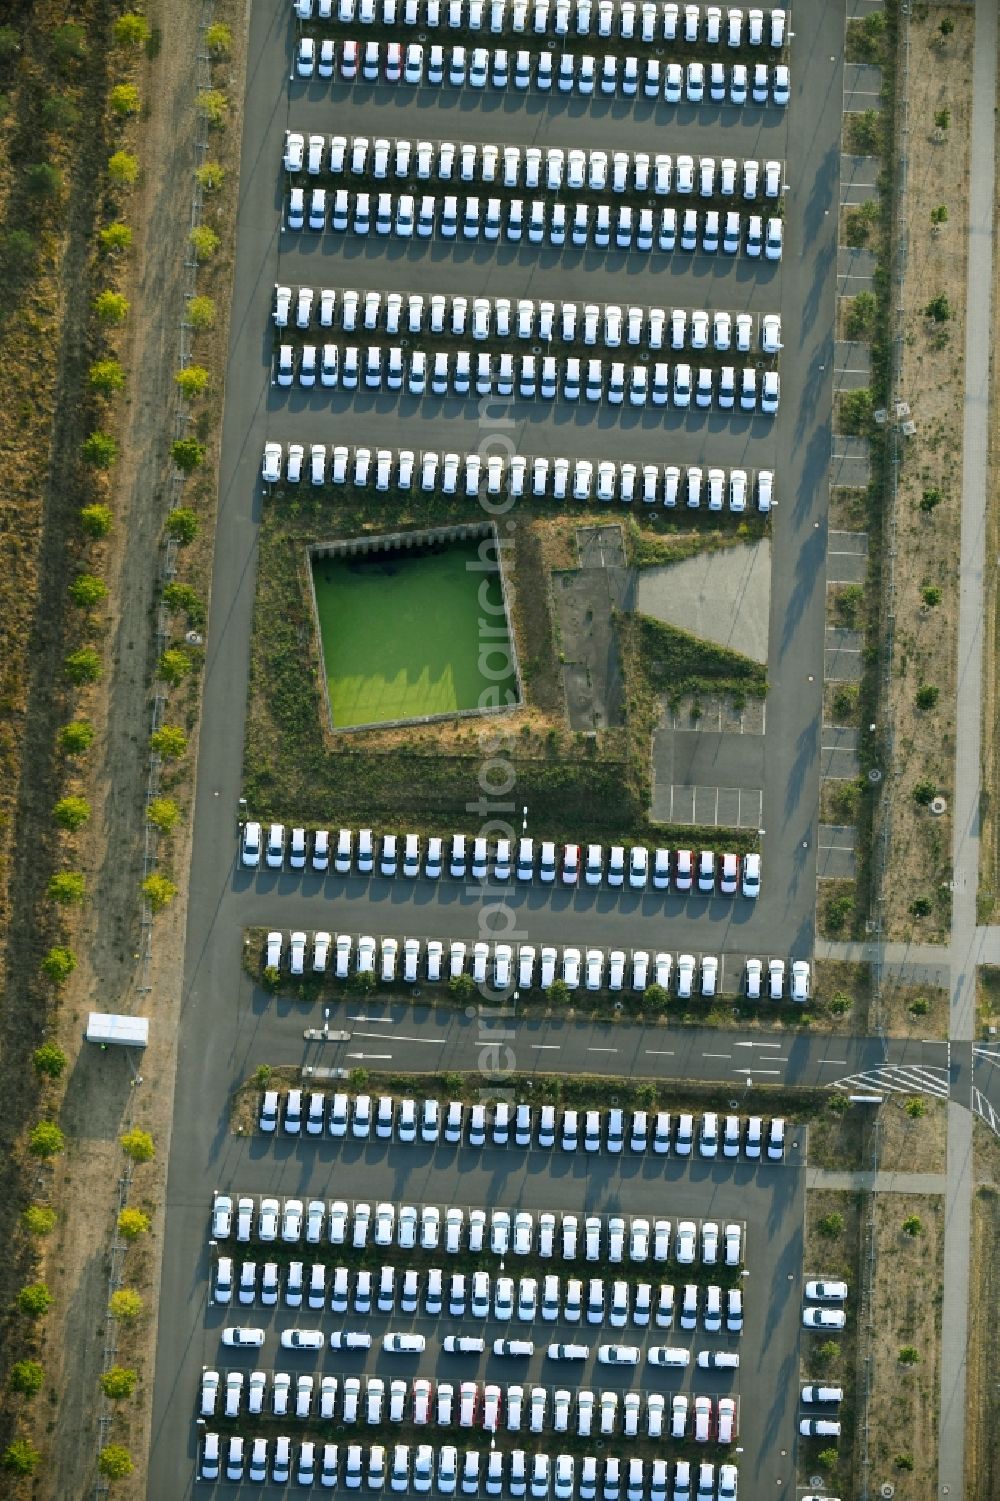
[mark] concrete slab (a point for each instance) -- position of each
(847, 558)
(862, 87)
(858, 178)
(707, 778)
(843, 655)
(855, 270)
(712, 807)
(718, 715)
(839, 752)
(836, 852)
(850, 465)
(858, 9)
(852, 365)
(723, 596)
(584, 601)
(854, 543)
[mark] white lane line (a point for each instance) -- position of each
(367, 1055)
(659, 1052)
(837, 1062)
(382, 1021)
(437, 1042)
(540, 1047)
(602, 1050)
(758, 1044)
(758, 1070)
(727, 1056)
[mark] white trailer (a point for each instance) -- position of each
(107, 1027)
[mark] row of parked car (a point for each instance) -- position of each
(551, 168)
(595, 226)
(519, 476)
(526, 377)
(501, 1124)
(481, 318)
(616, 1241)
(435, 1292)
(516, 1474)
(462, 857)
(648, 21)
(606, 74)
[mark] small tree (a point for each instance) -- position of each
(909, 1355)
(924, 792)
(931, 595)
(262, 1075)
(861, 315)
(210, 176)
(828, 1458)
(827, 1352)
(921, 906)
(69, 43)
(358, 1078)
(182, 525)
(111, 307)
(35, 1300)
(201, 313)
(831, 1225)
(867, 131)
(58, 964)
(83, 666)
(115, 1461)
(656, 998)
(118, 1382)
(123, 169)
(913, 1225)
(163, 814)
(19, 250)
(903, 1461)
(123, 100)
(21, 1457)
(559, 993)
(116, 237)
(138, 1145)
(71, 812)
(169, 742)
(67, 887)
(183, 597)
(76, 738)
(938, 309)
(204, 242)
(915, 1109)
(125, 1305)
(212, 104)
(44, 180)
(49, 1060)
(39, 1219)
(942, 119)
(219, 39)
(59, 113)
(99, 450)
(131, 30)
(174, 666)
(930, 499)
(856, 408)
(927, 696)
(159, 891)
(46, 1139)
(187, 454)
(132, 1223)
(362, 982)
(193, 381)
(462, 988)
(107, 376)
(939, 215)
(87, 590)
(96, 520)
(920, 1006)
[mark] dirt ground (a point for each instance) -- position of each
(832, 1360)
(927, 540)
(907, 1312)
(982, 1455)
(913, 1146)
(900, 1020)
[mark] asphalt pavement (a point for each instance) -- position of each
(222, 1028)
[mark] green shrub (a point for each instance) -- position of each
(921, 906)
(163, 814)
(99, 450)
(123, 100)
(39, 1219)
(462, 988)
(131, 30)
(655, 998)
(17, 262)
(169, 742)
(50, 1061)
(861, 315)
(46, 1139)
(115, 237)
(111, 307)
(59, 113)
(210, 176)
(76, 738)
(26, 1377)
(262, 1075)
(219, 39)
(931, 595)
(903, 1461)
(67, 887)
(939, 215)
(559, 993)
(58, 964)
(118, 1382)
(115, 1461)
(827, 1352)
(927, 696)
(193, 381)
(831, 1225)
(96, 520)
(123, 169)
(138, 1145)
(182, 525)
(83, 666)
(69, 43)
(924, 793)
(920, 1006)
(204, 242)
(159, 891)
(201, 313)
(915, 1109)
(125, 1305)
(35, 1300)
(938, 309)
(44, 180)
(187, 454)
(930, 499)
(21, 1457)
(87, 590)
(908, 1355)
(174, 666)
(178, 596)
(71, 812)
(856, 408)
(132, 1223)
(913, 1226)
(942, 119)
(10, 43)
(107, 376)
(828, 1458)
(212, 104)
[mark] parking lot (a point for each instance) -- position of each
(217, 1040)
(612, 1235)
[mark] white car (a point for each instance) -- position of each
(827, 1292)
(800, 980)
(685, 976)
(824, 1318)
(687, 1242)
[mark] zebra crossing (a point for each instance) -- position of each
(985, 1111)
(897, 1079)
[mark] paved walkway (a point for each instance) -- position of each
(883, 1183)
(968, 942)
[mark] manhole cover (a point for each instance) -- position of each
(888, 1490)
(815, 1479)
(939, 805)
(874, 776)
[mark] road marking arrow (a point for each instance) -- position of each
(367, 1055)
